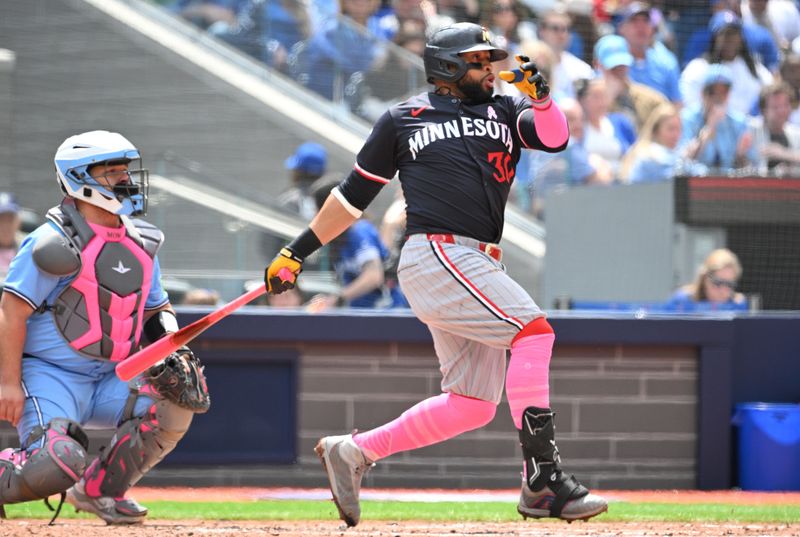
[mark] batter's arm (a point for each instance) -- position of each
(14, 313)
(540, 122)
(335, 216)
(333, 219)
(544, 129)
(373, 169)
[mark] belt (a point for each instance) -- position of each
(492, 250)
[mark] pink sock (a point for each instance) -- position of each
(528, 376)
(430, 421)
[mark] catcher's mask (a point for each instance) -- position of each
(78, 154)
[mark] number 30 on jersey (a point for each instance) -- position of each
(501, 161)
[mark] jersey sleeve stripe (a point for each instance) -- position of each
(371, 176)
(20, 295)
(356, 213)
(519, 131)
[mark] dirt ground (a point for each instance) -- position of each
(193, 528)
(595, 528)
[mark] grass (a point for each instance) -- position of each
(442, 511)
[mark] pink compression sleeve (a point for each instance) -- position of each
(528, 376)
(551, 125)
(428, 422)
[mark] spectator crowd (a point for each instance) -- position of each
(651, 89)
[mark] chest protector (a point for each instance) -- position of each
(100, 313)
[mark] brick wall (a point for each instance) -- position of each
(626, 418)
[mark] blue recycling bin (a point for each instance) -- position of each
(769, 446)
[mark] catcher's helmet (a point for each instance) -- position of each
(77, 154)
(443, 49)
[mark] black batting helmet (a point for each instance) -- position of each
(443, 49)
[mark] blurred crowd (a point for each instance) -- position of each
(650, 90)
(11, 233)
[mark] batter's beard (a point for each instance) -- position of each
(474, 92)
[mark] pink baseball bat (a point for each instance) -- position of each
(138, 362)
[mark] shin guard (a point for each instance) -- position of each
(47, 470)
(138, 445)
(542, 461)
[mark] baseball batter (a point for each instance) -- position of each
(456, 149)
(83, 293)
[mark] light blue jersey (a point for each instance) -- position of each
(57, 380)
(36, 287)
(659, 70)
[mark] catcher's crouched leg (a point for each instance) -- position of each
(178, 386)
(138, 445)
(46, 470)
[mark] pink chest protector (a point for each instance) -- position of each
(100, 313)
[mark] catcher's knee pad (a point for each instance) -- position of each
(46, 470)
(138, 445)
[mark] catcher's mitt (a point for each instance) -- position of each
(179, 378)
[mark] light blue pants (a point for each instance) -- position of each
(91, 395)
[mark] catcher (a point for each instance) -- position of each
(83, 293)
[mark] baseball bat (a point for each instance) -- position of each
(138, 362)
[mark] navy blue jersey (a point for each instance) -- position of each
(456, 161)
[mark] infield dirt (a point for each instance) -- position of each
(195, 528)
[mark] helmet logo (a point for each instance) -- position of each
(485, 35)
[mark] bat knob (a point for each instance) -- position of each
(286, 275)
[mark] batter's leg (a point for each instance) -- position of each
(546, 490)
(346, 458)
